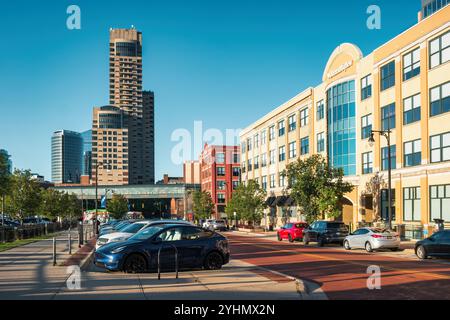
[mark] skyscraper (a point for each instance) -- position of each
(86, 161)
(7, 156)
(131, 161)
(67, 148)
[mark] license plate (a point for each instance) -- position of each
(389, 238)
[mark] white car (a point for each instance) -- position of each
(207, 224)
(372, 239)
(132, 229)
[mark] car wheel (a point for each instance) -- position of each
(421, 253)
(368, 247)
(135, 263)
(290, 238)
(213, 261)
(394, 249)
(279, 237)
(347, 245)
(305, 240)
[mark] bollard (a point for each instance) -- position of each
(54, 251)
(70, 243)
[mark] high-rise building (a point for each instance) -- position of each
(7, 156)
(220, 174)
(130, 116)
(86, 161)
(431, 6)
(191, 172)
(67, 149)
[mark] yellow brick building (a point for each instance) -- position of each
(404, 86)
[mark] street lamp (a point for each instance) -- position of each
(235, 220)
(97, 165)
(387, 135)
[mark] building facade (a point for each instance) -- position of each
(220, 174)
(67, 149)
(134, 108)
(402, 86)
(87, 154)
(191, 172)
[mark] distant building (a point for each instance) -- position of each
(171, 180)
(191, 172)
(431, 6)
(67, 147)
(220, 174)
(86, 162)
(6, 154)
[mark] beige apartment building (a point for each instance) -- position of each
(402, 86)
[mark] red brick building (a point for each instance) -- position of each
(220, 174)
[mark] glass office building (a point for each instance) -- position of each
(67, 150)
(87, 153)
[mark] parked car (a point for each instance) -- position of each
(292, 231)
(372, 239)
(196, 248)
(36, 220)
(132, 229)
(324, 232)
(118, 227)
(207, 224)
(220, 225)
(10, 223)
(438, 245)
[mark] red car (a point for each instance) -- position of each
(292, 231)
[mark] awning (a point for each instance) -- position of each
(270, 201)
(290, 202)
(280, 201)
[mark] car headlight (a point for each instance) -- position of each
(117, 239)
(120, 249)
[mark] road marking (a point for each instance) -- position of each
(406, 271)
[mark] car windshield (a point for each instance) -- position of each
(121, 225)
(147, 233)
(133, 228)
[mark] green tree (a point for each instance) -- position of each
(51, 204)
(117, 206)
(25, 195)
(203, 204)
(5, 176)
(316, 187)
(248, 202)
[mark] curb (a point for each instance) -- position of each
(83, 256)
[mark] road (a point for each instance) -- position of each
(343, 275)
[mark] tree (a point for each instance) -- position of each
(373, 188)
(203, 204)
(117, 206)
(51, 204)
(248, 202)
(25, 195)
(316, 187)
(5, 176)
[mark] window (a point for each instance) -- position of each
(220, 198)
(263, 137)
(413, 153)
(304, 117)
(256, 163)
(235, 185)
(292, 150)
(272, 181)
(320, 110)
(282, 154)
(366, 87)
(221, 171)
(236, 158)
(272, 157)
(411, 204)
(385, 158)
(249, 144)
(440, 147)
(243, 167)
(367, 162)
(388, 76)
(281, 128)
(221, 185)
(264, 160)
(321, 142)
(220, 158)
(256, 140)
(264, 182)
(243, 148)
(388, 117)
(236, 172)
(271, 133)
(366, 126)
(411, 109)
(411, 64)
(440, 202)
(282, 180)
(249, 165)
(440, 99)
(304, 143)
(292, 123)
(440, 50)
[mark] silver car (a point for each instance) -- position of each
(372, 239)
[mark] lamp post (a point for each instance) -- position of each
(387, 135)
(235, 220)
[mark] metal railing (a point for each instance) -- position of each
(159, 260)
(11, 234)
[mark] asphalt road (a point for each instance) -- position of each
(344, 274)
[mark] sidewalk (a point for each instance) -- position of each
(27, 272)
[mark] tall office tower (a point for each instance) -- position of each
(67, 149)
(134, 162)
(431, 6)
(7, 156)
(86, 161)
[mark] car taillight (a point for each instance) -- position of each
(377, 236)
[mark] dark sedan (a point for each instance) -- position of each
(196, 248)
(438, 245)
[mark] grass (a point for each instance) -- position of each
(18, 243)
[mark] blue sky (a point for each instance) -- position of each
(225, 63)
